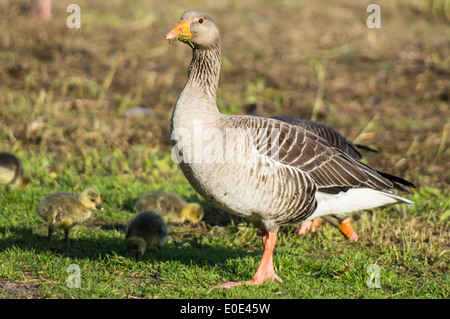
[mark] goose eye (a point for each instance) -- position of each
(200, 20)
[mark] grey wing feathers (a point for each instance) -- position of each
(331, 169)
(339, 141)
(327, 133)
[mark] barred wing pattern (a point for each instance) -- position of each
(330, 169)
(327, 133)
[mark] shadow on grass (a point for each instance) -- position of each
(213, 216)
(96, 249)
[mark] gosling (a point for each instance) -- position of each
(11, 172)
(147, 229)
(65, 210)
(171, 207)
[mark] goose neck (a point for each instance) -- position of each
(204, 70)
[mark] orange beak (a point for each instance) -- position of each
(181, 30)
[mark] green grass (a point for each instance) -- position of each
(410, 245)
(64, 96)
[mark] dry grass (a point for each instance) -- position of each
(120, 60)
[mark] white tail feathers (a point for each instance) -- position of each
(353, 200)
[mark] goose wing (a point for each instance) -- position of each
(328, 133)
(331, 170)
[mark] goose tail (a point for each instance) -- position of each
(353, 200)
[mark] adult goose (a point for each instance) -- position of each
(336, 139)
(266, 170)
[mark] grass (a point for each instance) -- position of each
(65, 96)
(409, 246)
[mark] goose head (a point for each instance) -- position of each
(136, 247)
(197, 29)
(90, 199)
(193, 212)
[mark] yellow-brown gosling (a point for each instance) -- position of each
(65, 210)
(11, 172)
(147, 229)
(171, 207)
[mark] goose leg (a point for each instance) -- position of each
(265, 270)
(310, 225)
(66, 235)
(347, 228)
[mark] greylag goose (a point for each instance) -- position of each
(336, 139)
(171, 207)
(65, 210)
(147, 229)
(266, 170)
(11, 172)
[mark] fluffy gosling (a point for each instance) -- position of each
(171, 207)
(66, 210)
(11, 172)
(147, 229)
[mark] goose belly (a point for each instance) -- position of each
(261, 191)
(226, 169)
